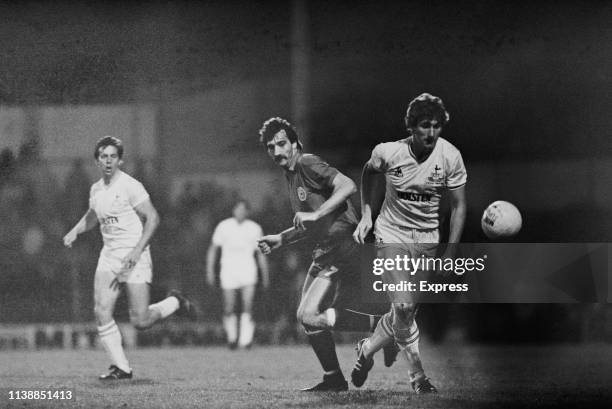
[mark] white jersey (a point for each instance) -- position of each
(413, 189)
(114, 205)
(238, 243)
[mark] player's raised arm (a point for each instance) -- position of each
(343, 188)
(372, 196)
(86, 223)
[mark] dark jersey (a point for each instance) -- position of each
(310, 185)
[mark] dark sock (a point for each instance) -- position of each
(325, 348)
(347, 320)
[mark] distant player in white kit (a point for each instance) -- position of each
(417, 170)
(127, 218)
(236, 238)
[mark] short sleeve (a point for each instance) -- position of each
(378, 159)
(457, 175)
(137, 194)
(317, 173)
(217, 238)
(258, 231)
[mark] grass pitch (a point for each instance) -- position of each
(269, 377)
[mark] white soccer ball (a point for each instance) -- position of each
(501, 219)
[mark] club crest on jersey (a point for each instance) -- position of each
(117, 203)
(398, 172)
(301, 193)
(437, 176)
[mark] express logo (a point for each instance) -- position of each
(301, 192)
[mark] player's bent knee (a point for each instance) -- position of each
(309, 317)
(309, 321)
(308, 330)
(301, 316)
(139, 324)
(103, 313)
(298, 315)
(140, 321)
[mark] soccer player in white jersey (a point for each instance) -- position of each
(417, 170)
(236, 238)
(128, 219)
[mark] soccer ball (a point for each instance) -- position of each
(501, 219)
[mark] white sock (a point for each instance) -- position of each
(331, 315)
(166, 307)
(365, 347)
(247, 329)
(111, 340)
(230, 324)
(412, 354)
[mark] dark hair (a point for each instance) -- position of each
(273, 126)
(109, 141)
(425, 106)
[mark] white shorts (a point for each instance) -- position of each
(233, 281)
(407, 235)
(109, 264)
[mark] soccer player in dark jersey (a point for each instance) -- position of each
(319, 196)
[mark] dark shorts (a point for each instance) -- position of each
(339, 263)
(336, 260)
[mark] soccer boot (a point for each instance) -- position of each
(331, 383)
(186, 308)
(116, 374)
(390, 353)
(423, 386)
(359, 374)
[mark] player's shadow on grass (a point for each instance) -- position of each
(125, 383)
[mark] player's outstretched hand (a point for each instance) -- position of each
(301, 217)
(362, 230)
(268, 243)
(70, 238)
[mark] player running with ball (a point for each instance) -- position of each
(417, 170)
(319, 196)
(127, 222)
